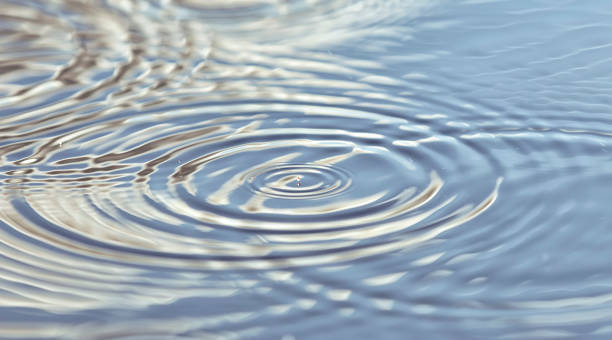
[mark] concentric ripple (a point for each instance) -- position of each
(299, 181)
(248, 189)
(305, 169)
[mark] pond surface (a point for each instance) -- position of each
(333, 169)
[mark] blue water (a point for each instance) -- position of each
(254, 169)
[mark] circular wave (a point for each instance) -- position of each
(172, 155)
(298, 181)
(290, 160)
(285, 181)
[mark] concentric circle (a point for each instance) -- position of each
(232, 169)
(299, 181)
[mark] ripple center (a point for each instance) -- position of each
(299, 181)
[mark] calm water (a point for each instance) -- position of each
(260, 169)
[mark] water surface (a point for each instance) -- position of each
(305, 169)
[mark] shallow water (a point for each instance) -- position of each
(308, 169)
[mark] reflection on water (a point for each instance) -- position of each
(305, 169)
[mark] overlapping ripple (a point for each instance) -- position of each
(304, 169)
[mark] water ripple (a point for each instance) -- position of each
(321, 169)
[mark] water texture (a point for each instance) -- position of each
(260, 169)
